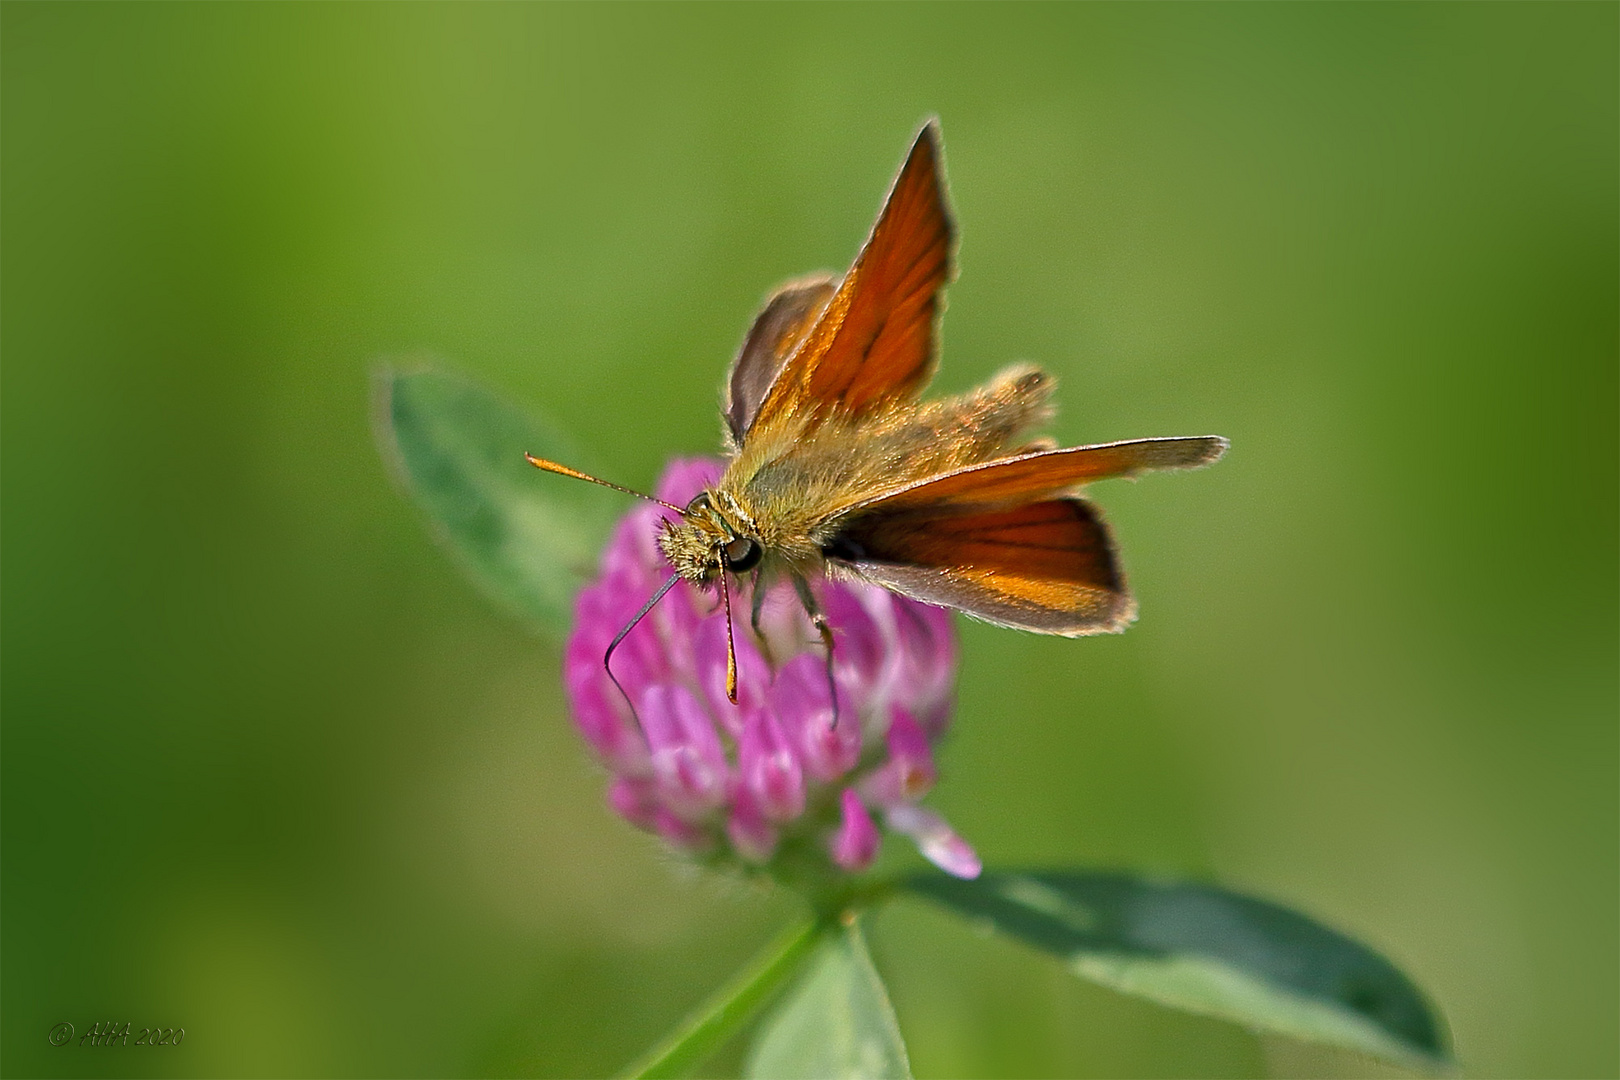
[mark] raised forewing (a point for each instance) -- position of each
(875, 339)
(780, 326)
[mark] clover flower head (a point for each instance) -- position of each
(781, 775)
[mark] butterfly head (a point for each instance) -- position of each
(714, 534)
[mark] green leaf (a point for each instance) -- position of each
(730, 1008)
(836, 1023)
(526, 538)
(1209, 951)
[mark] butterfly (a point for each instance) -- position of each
(837, 467)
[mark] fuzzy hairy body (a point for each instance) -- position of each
(788, 488)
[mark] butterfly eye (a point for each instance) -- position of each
(742, 554)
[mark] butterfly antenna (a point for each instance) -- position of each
(731, 645)
(607, 657)
(563, 470)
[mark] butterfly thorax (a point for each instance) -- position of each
(794, 482)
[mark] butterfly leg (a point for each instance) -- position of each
(758, 608)
(812, 609)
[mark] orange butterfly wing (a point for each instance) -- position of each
(787, 317)
(992, 541)
(1045, 566)
(1039, 475)
(874, 341)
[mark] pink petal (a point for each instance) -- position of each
(681, 833)
(676, 620)
(936, 840)
(687, 759)
(859, 647)
(855, 844)
(635, 801)
(631, 562)
(802, 703)
(782, 620)
(770, 769)
(601, 612)
(753, 674)
(684, 477)
(752, 836)
(924, 661)
(909, 773)
(599, 711)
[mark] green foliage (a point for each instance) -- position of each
(526, 538)
(1206, 950)
(730, 1007)
(836, 1023)
(261, 780)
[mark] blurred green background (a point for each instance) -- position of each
(274, 773)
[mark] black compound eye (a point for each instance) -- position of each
(742, 554)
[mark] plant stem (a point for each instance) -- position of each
(719, 1018)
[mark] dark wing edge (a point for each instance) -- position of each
(1049, 567)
